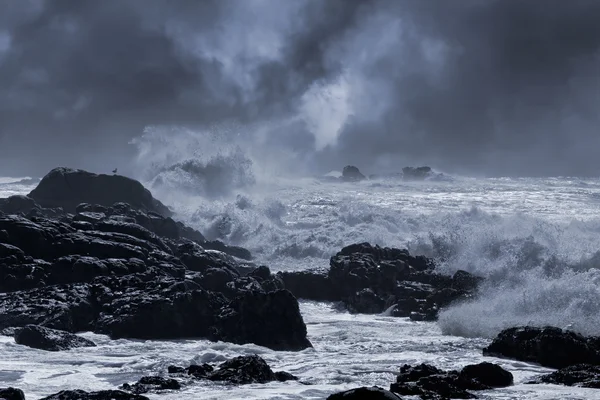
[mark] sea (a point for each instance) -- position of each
(536, 240)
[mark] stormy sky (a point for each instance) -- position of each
(494, 87)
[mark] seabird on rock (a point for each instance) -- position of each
(114, 171)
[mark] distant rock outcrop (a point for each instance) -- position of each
(67, 188)
(352, 174)
(416, 173)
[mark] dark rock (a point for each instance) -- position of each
(248, 369)
(351, 173)
(64, 307)
(244, 370)
(173, 369)
(365, 301)
(364, 393)
(200, 371)
(584, 375)
(17, 204)
(428, 381)
(283, 376)
(465, 281)
(310, 285)
(269, 319)
(151, 384)
(11, 394)
(67, 188)
(548, 346)
(43, 338)
(416, 174)
(100, 395)
(487, 374)
(409, 373)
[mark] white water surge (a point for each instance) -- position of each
(536, 240)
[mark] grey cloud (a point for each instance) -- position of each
(489, 86)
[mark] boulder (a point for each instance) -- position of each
(100, 395)
(584, 375)
(549, 346)
(364, 393)
(67, 188)
(11, 394)
(310, 285)
(487, 374)
(17, 204)
(39, 337)
(351, 173)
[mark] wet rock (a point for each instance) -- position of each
(365, 301)
(17, 204)
(428, 381)
(11, 394)
(100, 395)
(39, 337)
(310, 285)
(174, 369)
(283, 376)
(487, 374)
(67, 188)
(151, 384)
(584, 375)
(364, 393)
(269, 319)
(246, 369)
(350, 173)
(200, 371)
(548, 346)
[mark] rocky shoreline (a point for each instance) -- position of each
(87, 252)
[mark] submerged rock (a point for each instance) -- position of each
(364, 393)
(549, 346)
(39, 337)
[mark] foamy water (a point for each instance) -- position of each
(535, 239)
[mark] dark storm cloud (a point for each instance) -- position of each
(493, 86)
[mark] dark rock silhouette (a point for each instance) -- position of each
(416, 173)
(67, 188)
(351, 173)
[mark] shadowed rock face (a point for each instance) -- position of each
(584, 375)
(67, 188)
(12, 394)
(364, 393)
(130, 273)
(351, 173)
